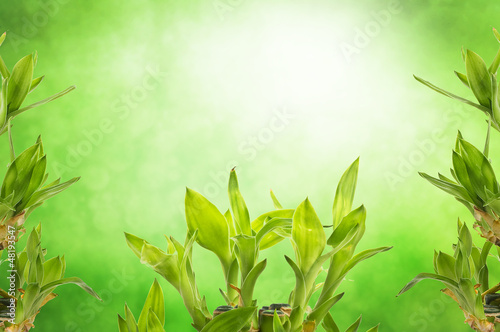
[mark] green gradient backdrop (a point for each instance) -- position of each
(175, 93)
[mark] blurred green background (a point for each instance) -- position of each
(175, 93)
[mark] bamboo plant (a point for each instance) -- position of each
(237, 242)
(32, 278)
(473, 183)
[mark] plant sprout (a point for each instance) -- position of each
(32, 277)
(237, 242)
(474, 184)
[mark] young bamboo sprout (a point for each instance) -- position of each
(33, 278)
(237, 242)
(474, 184)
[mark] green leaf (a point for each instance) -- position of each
(422, 276)
(154, 303)
(374, 329)
(247, 252)
(344, 194)
(52, 270)
(270, 226)
(154, 324)
(450, 188)
(300, 284)
(240, 210)
(479, 78)
(486, 110)
(277, 326)
(259, 222)
(463, 176)
(30, 295)
(497, 34)
(467, 290)
(277, 204)
(465, 240)
(122, 324)
(320, 311)
(3, 69)
(351, 223)
(230, 321)
(19, 83)
(354, 327)
(248, 285)
(363, 256)
(329, 324)
(479, 168)
(130, 320)
(42, 102)
(2, 38)
(446, 265)
(462, 78)
(307, 235)
(73, 280)
(135, 243)
(44, 194)
(166, 265)
(213, 230)
(35, 82)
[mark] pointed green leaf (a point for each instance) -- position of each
(446, 265)
(130, 320)
(248, 285)
(308, 235)
(374, 329)
(122, 324)
(19, 83)
(44, 194)
(363, 256)
(166, 265)
(329, 324)
(270, 226)
(213, 230)
(155, 303)
(320, 311)
(35, 82)
(300, 284)
(277, 325)
(230, 321)
(450, 188)
(240, 210)
(42, 102)
(465, 240)
(154, 324)
(479, 78)
(351, 223)
(354, 327)
(344, 194)
(135, 243)
(2, 38)
(277, 204)
(462, 78)
(422, 276)
(52, 270)
(73, 280)
(486, 110)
